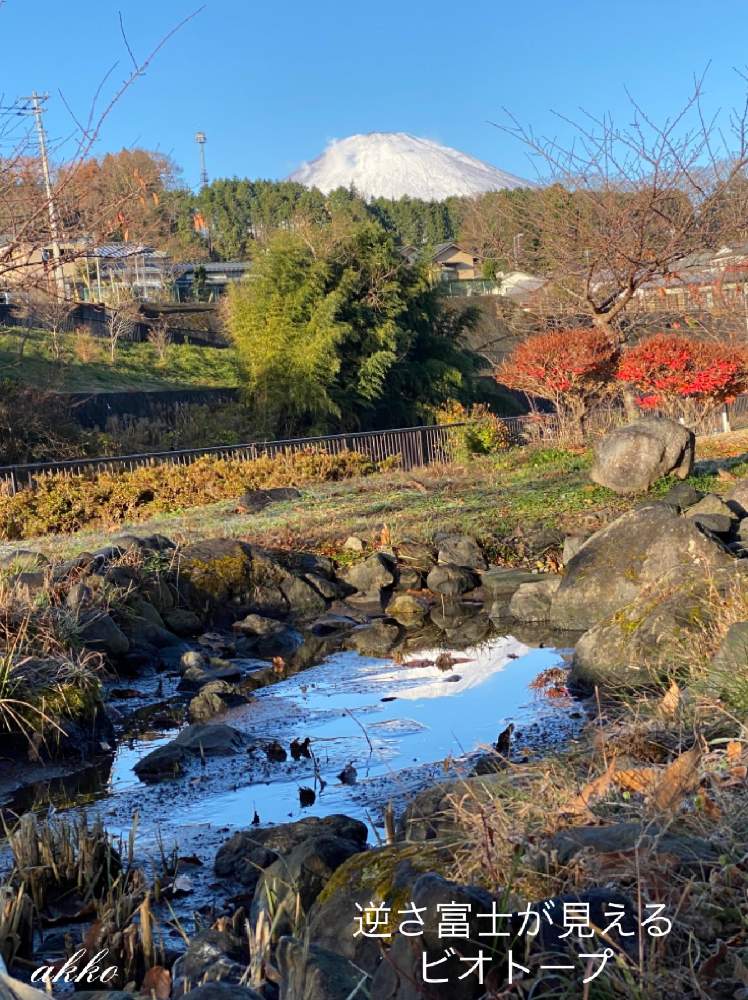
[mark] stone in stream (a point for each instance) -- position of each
(375, 638)
(211, 955)
(416, 555)
(216, 571)
(452, 580)
(295, 880)
(214, 699)
(182, 621)
(197, 740)
(621, 560)
(407, 609)
(247, 852)
(531, 602)
(630, 459)
(303, 598)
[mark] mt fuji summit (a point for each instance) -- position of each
(396, 165)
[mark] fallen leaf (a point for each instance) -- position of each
(678, 778)
(670, 701)
(592, 791)
(637, 779)
(157, 983)
(734, 751)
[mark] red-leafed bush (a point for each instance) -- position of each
(683, 376)
(570, 368)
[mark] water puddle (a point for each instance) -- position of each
(379, 731)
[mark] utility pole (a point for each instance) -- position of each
(54, 225)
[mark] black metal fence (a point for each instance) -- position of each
(411, 446)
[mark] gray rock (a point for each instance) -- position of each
(718, 524)
(371, 575)
(242, 857)
(309, 972)
(630, 554)
(737, 497)
(630, 459)
(303, 599)
(253, 501)
(98, 630)
(682, 496)
(501, 581)
(374, 639)
(353, 544)
(531, 602)
(689, 851)
(215, 571)
(732, 656)
(460, 550)
(407, 609)
(292, 883)
(416, 555)
(572, 545)
(181, 621)
(332, 624)
(214, 699)
(23, 560)
(452, 581)
(79, 596)
(637, 644)
(711, 504)
(214, 739)
(258, 625)
(211, 956)
(163, 762)
(400, 976)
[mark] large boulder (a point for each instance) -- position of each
(630, 459)
(645, 639)
(381, 875)
(621, 560)
(217, 570)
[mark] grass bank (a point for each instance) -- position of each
(87, 368)
(519, 504)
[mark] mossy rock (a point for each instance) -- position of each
(216, 570)
(655, 633)
(381, 875)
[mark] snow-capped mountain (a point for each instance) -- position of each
(395, 164)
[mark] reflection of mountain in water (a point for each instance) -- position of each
(482, 662)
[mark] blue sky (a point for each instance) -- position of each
(272, 82)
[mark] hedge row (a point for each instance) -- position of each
(63, 504)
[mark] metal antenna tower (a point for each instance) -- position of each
(200, 140)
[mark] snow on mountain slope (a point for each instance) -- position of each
(395, 164)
